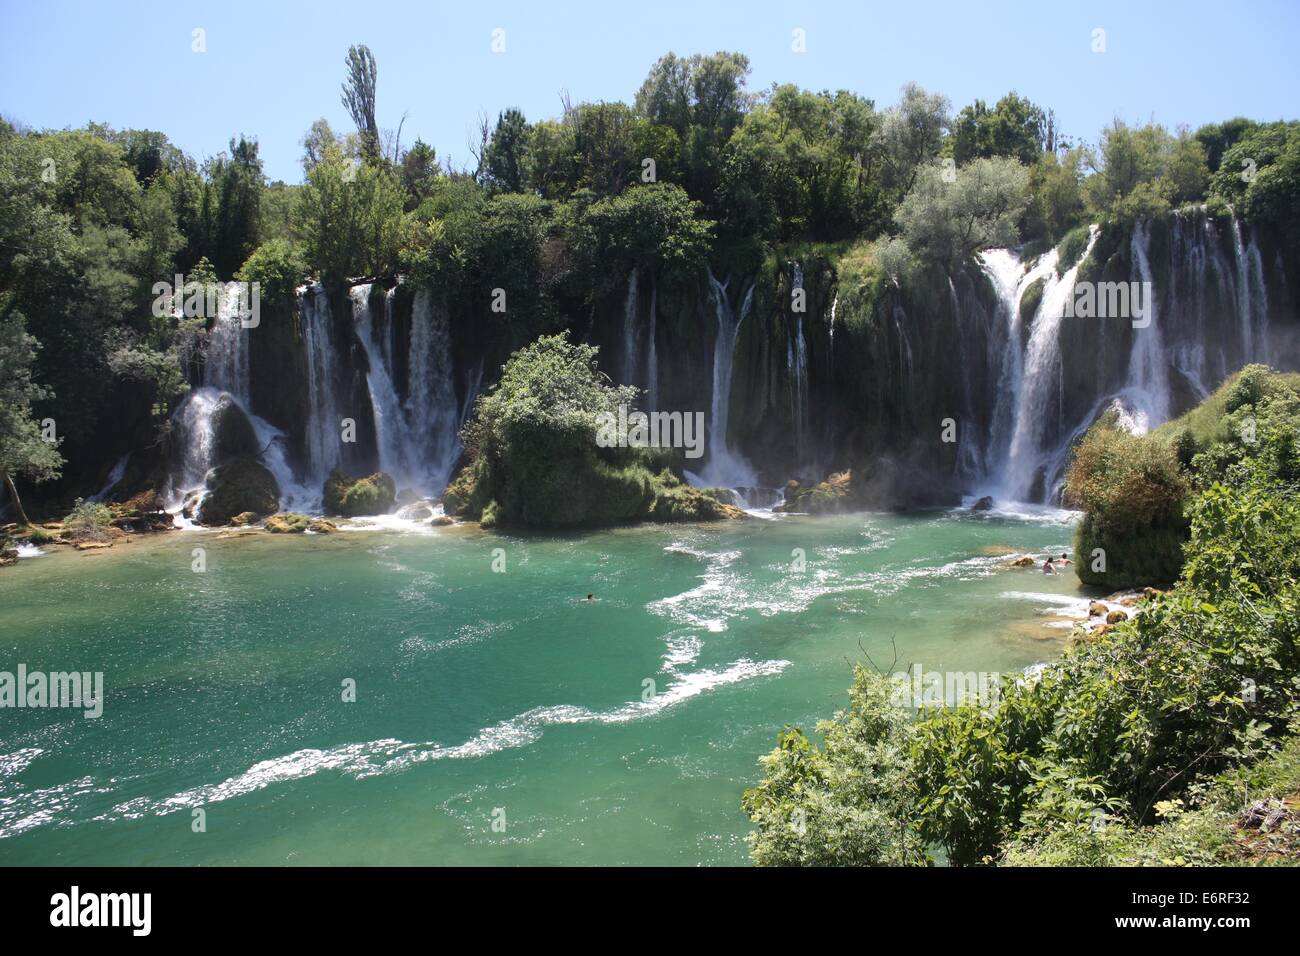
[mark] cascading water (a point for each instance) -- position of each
(1209, 318)
(797, 371)
(1147, 394)
(226, 380)
(392, 436)
(417, 438)
(652, 354)
(323, 420)
(1040, 376)
(431, 405)
(226, 366)
(725, 467)
(631, 353)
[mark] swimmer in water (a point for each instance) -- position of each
(591, 597)
(1047, 567)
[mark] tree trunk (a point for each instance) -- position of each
(18, 502)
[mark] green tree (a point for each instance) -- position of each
(950, 220)
(910, 135)
(419, 171)
(23, 451)
(1015, 127)
(655, 227)
(358, 97)
(504, 159)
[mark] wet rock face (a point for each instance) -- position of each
(237, 486)
(232, 432)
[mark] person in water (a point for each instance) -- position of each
(591, 597)
(1065, 559)
(1047, 567)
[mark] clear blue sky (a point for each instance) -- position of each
(274, 66)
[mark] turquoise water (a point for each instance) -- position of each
(480, 696)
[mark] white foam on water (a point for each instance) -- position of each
(388, 523)
(390, 755)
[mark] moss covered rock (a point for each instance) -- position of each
(237, 486)
(684, 503)
(349, 497)
(288, 522)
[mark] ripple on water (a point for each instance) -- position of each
(376, 757)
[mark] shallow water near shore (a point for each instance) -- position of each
(480, 696)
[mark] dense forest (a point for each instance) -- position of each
(698, 172)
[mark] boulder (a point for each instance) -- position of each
(416, 510)
(287, 522)
(685, 503)
(321, 526)
(1024, 561)
(372, 495)
(836, 493)
(441, 521)
(1114, 617)
(143, 511)
(244, 519)
(235, 487)
(1097, 609)
(984, 504)
(232, 432)
(8, 556)
(92, 545)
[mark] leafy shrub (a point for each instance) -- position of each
(88, 520)
(846, 803)
(1132, 489)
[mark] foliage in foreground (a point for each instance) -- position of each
(1247, 817)
(1134, 489)
(1203, 679)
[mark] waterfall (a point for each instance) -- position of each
(797, 371)
(725, 467)
(226, 366)
(1146, 395)
(1209, 319)
(416, 438)
(652, 353)
(226, 378)
(431, 405)
(969, 460)
(193, 433)
(114, 476)
(473, 382)
(1040, 377)
(392, 436)
(1252, 302)
(830, 332)
(323, 419)
(630, 352)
